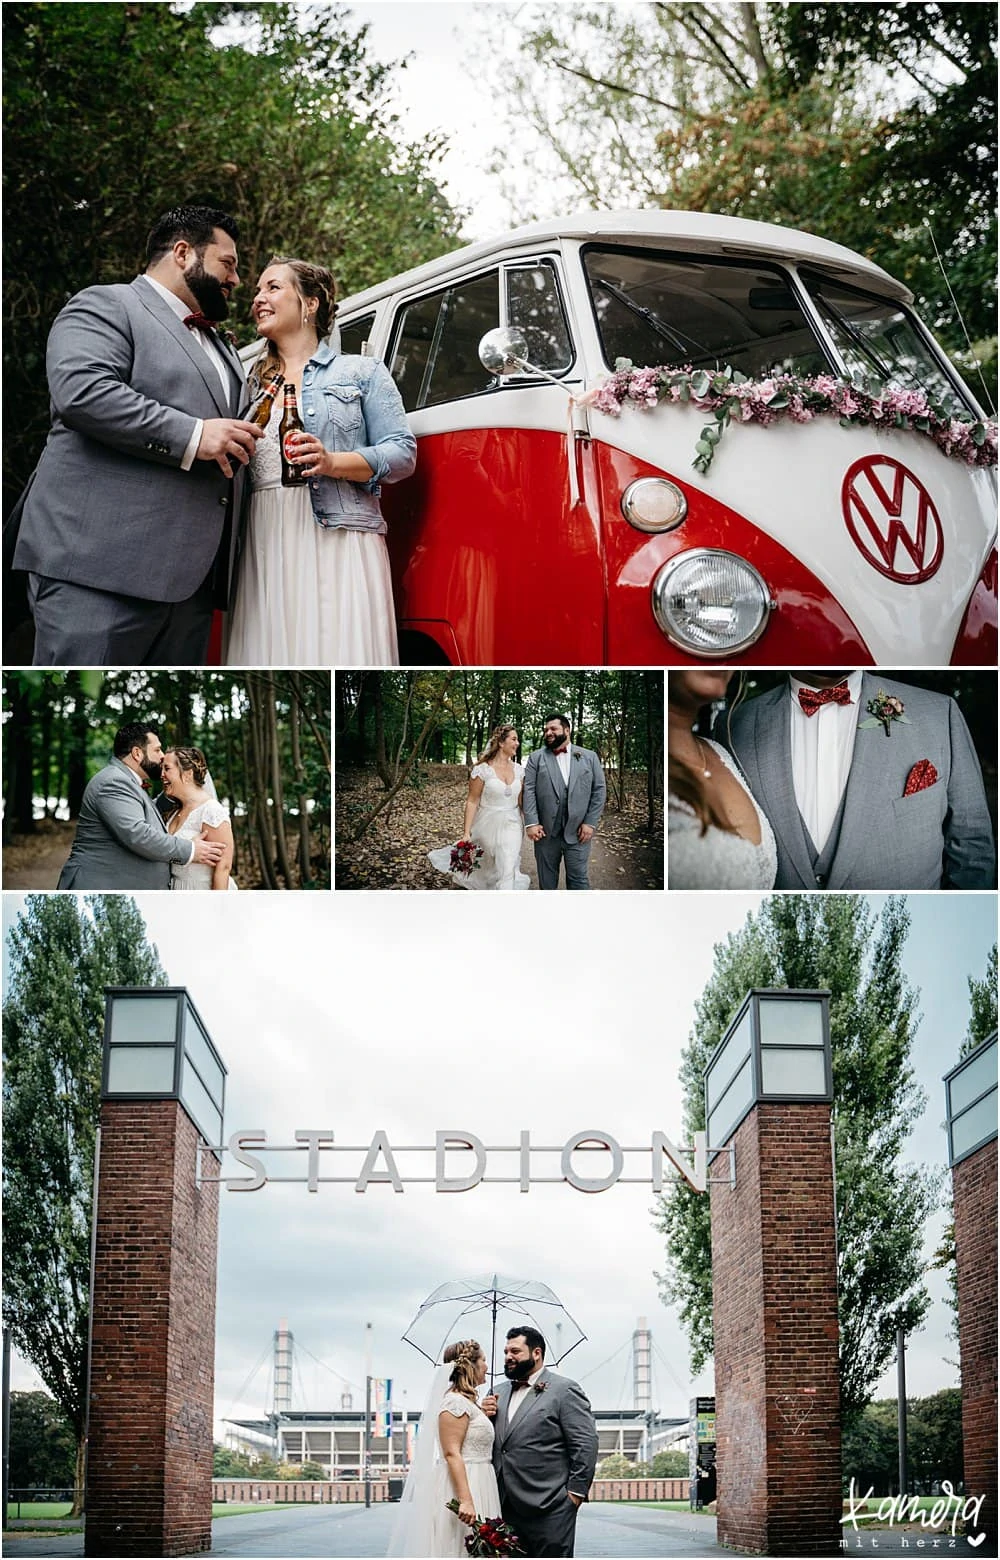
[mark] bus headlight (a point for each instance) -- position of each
(710, 602)
(654, 504)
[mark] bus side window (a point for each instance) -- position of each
(354, 335)
(435, 354)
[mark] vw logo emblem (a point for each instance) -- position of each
(892, 519)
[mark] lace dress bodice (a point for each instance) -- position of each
(265, 462)
(718, 858)
(197, 876)
(497, 795)
(478, 1444)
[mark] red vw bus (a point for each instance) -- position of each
(541, 530)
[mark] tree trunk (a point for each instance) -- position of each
(277, 788)
(418, 748)
(305, 846)
(76, 780)
(382, 767)
(20, 762)
(79, 1476)
(257, 784)
(652, 757)
(626, 683)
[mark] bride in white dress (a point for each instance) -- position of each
(717, 836)
(185, 777)
(494, 820)
(453, 1461)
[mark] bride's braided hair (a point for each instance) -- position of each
(498, 736)
(309, 281)
(465, 1356)
(192, 761)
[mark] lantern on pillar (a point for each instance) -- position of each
(156, 1047)
(777, 1048)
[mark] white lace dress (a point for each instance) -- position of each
(718, 858)
(498, 828)
(306, 595)
(448, 1535)
(207, 814)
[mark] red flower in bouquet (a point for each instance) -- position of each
(465, 857)
(489, 1536)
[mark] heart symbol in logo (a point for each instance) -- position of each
(975, 1542)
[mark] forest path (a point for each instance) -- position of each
(393, 853)
(35, 861)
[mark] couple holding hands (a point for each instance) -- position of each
(556, 799)
(525, 1455)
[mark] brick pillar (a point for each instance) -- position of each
(149, 1466)
(777, 1382)
(974, 1182)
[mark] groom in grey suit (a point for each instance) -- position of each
(121, 839)
(544, 1448)
(564, 795)
(867, 783)
(127, 527)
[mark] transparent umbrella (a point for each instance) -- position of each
(451, 1312)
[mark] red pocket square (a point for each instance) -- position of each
(921, 777)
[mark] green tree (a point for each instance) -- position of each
(115, 112)
(837, 943)
(615, 1466)
(62, 955)
(983, 1004)
(866, 125)
(42, 1443)
(670, 1465)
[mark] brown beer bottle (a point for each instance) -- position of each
(261, 414)
(291, 422)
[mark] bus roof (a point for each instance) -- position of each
(695, 231)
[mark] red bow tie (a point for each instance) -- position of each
(516, 1386)
(145, 785)
(812, 698)
(199, 322)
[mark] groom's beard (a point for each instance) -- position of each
(518, 1370)
(208, 291)
(554, 743)
(152, 768)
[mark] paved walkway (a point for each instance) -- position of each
(618, 1532)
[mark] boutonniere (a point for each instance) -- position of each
(227, 337)
(540, 1386)
(884, 709)
(577, 757)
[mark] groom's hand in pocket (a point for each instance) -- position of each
(576, 1499)
(207, 852)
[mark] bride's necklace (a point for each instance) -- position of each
(508, 785)
(701, 760)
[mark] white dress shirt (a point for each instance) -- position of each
(822, 752)
(517, 1398)
(563, 760)
(209, 345)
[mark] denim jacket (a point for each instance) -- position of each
(352, 404)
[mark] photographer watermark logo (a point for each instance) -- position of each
(939, 1522)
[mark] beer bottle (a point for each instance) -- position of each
(291, 422)
(261, 414)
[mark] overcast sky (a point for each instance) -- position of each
(416, 1013)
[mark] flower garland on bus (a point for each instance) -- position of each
(731, 397)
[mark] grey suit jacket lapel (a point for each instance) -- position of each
(862, 787)
(552, 768)
(773, 762)
(162, 312)
(520, 1418)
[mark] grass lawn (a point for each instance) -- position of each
(228, 1509)
(659, 1505)
(39, 1508)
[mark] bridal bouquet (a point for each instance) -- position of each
(490, 1536)
(465, 857)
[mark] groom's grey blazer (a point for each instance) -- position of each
(545, 791)
(109, 506)
(550, 1447)
(937, 838)
(121, 840)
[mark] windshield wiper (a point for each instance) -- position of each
(677, 341)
